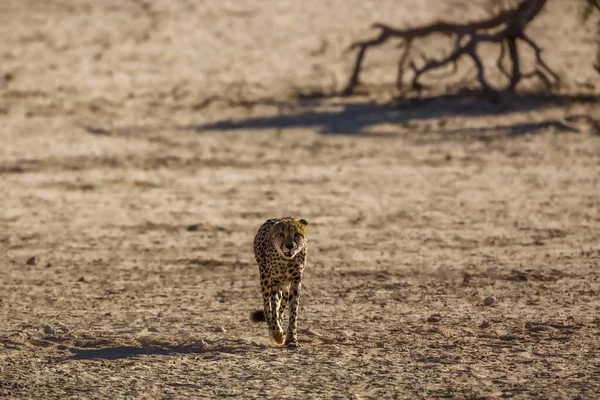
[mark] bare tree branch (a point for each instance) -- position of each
(402, 62)
(508, 26)
(541, 62)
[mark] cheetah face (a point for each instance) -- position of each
(289, 237)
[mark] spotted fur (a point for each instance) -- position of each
(280, 250)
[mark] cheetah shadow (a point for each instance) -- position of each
(213, 349)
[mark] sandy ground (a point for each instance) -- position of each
(143, 143)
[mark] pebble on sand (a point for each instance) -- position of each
(220, 329)
(48, 330)
(434, 318)
(32, 261)
(488, 301)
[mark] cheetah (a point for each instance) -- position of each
(280, 250)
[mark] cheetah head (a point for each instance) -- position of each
(289, 236)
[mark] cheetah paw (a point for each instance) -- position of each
(278, 336)
(293, 344)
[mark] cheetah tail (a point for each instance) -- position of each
(258, 316)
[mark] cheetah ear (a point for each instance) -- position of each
(303, 221)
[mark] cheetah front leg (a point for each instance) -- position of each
(275, 304)
(284, 301)
(266, 292)
(291, 339)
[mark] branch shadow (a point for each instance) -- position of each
(504, 131)
(356, 118)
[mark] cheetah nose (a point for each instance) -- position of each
(289, 246)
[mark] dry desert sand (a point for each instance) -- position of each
(144, 142)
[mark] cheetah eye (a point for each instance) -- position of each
(280, 235)
(297, 235)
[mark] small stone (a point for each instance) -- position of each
(97, 131)
(520, 276)
(200, 343)
(193, 228)
(488, 301)
(434, 318)
(310, 332)
(82, 279)
(32, 261)
(48, 330)
(484, 324)
(466, 279)
(380, 345)
(220, 329)
(159, 314)
(152, 329)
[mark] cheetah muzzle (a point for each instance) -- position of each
(280, 249)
